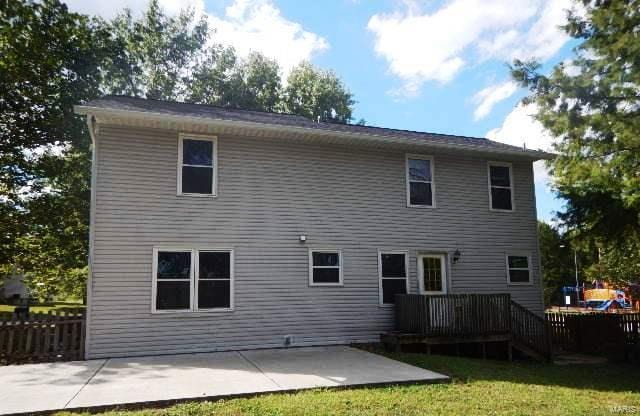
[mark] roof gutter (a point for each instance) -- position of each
(376, 138)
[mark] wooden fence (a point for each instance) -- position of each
(54, 336)
(595, 332)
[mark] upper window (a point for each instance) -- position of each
(500, 186)
(420, 186)
(197, 165)
(325, 268)
(192, 280)
(518, 270)
(392, 268)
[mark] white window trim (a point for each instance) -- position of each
(381, 278)
(443, 274)
(408, 181)
(509, 282)
(311, 266)
(214, 181)
(511, 187)
(193, 279)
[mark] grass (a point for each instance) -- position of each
(478, 388)
(45, 307)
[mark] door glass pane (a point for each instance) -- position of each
(174, 265)
(391, 288)
(432, 267)
(393, 265)
(197, 180)
(173, 295)
(214, 294)
(214, 265)
(197, 152)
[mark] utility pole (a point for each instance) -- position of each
(575, 263)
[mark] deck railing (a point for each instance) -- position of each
(460, 316)
(471, 316)
(530, 330)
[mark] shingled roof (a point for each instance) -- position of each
(204, 112)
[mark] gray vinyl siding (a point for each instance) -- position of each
(269, 192)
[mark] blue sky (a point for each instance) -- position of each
(438, 66)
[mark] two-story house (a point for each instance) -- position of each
(217, 229)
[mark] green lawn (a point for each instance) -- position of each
(44, 307)
(478, 388)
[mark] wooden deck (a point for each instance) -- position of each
(461, 319)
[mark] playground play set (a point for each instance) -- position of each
(600, 299)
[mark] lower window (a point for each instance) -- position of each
(192, 279)
(392, 268)
(325, 268)
(518, 270)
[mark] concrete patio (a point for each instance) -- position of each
(98, 383)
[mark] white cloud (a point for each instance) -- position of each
(247, 25)
(257, 25)
(420, 47)
(488, 97)
(521, 128)
(541, 40)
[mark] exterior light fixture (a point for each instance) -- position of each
(456, 256)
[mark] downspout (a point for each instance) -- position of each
(92, 211)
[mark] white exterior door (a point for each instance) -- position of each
(432, 274)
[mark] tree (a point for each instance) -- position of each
(160, 53)
(618, 264)
(556, 259)
(53, 251)
(223, 79)
(51, 59)
(592, 106)
(259, 83)
(316, 93)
